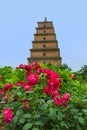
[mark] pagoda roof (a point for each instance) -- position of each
(44, 49)
(44, 57)
(47, 41)
(44, 34)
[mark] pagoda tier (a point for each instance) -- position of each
(45, 46)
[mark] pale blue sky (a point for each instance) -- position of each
(18, 20)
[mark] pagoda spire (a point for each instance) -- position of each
(45, 19)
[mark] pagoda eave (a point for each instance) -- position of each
(43, 28)
(44, 22)
(44, 58)
(44, 34)
(44, 49)
(47, 41)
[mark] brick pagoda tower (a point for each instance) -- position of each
(45, 46)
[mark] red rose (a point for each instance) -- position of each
(28, 67)
(25, 100)
(21, 66)
(74, 78)
(1, 77)
(32, 79)
(5, 98)
(66, 97)
(27, 86)
(7, 113)
(20, 83)
(7, 86)
(26, 106)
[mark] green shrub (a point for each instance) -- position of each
(36, 110)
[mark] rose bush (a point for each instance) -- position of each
(31, 94)
(22, 103)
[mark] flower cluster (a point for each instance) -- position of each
(7, 113)
(1, 77)
(72, 76)
(54, 83)
(34, 73)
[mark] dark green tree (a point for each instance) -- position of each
(66, 67)
(83, 72)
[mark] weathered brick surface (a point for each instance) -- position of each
(47, 53)
(45, 46)
(44, 31)
(44, 37)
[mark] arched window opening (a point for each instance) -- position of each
(44, 54)
(44, 46)
(44, 31)
(44, 25)
(44, 38)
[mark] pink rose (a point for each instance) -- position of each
(27, 86)
(21, 66)
(66, 96)
(32, 79)
(7, 113)
(26, 106)
(7, 86)
(28, 67)
(5, 98)
(25, 100)
(1, 77)
(20, 83)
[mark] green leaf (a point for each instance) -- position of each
(60, 115)
(52, 113)
(19, 93)
(35, 129)
(27, 126)
(5, 128)
(44, 106)
(37, 115)
(78, 127)
(81, 120)
(27, 115)
(85, 111)
(15, 119)
(1, 121)
(50, 101)
(18, 87)
(85, 100)
(63, 124)
(22, 120)
(75, 116)
(38, 123)
(19, 112)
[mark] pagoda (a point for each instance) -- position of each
(45, 46)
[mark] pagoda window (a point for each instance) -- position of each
(44, 54)
(44, 46)
(44, 31)
(44, 38)
(44, 25)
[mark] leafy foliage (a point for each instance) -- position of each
(41, 113)
(83, 73)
